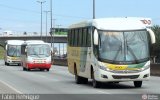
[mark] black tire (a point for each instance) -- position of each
(47, 70)
(41, 69)
(24, 69)
(7, 64)
(138, 84)
(27, 69)
(84, 80)
(78, 79)
(95, 83)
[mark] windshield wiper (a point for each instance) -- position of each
(13, 54)
(131, 51)
(119, 49)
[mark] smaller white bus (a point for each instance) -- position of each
(13, 52)
(36, 55)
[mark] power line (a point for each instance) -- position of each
(19, 9)
(36, 12)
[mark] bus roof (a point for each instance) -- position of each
(116, 23)
(15, 42)
(34, 41)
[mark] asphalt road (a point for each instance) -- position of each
(59, 84)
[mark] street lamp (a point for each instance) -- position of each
(41, 2)
(93, 9)
(46, 22)
(51, 23)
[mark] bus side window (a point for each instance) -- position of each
(73, 37)
(88, 37)
(76, 38)
(80, 37)
(84, 37)
(23, 51)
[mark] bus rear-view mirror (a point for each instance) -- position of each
(95, 37)
(6, 47)
(152, 36)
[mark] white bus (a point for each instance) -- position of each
(36, 55)
(13, 52)
(110, 50)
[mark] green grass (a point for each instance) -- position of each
(1, 52)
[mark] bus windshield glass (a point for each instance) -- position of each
(40, 50)
(14, 50)
(124, 46)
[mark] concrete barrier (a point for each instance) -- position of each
(155, 69)
(61, 62)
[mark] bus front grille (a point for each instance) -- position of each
(125, 77)
(125, 71)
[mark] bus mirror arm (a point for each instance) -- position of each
(152, 36)
(95, 37)
(25, 50)
(6, 47)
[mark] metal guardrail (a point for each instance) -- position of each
(155, 68)
(30, 35)
(61, 62)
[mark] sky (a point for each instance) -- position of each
(25, 15)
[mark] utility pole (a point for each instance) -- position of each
(51, 33)
(93, 9)
(46, 23)
(41, 2)
(59, 43)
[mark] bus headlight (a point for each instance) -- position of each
(103, 68)
(145, 67)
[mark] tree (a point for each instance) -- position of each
(155, 51)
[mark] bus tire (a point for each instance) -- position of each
(84, 80)
(6, 63)
(138, 84)
(27, 69)
(41, 69)
(95, 83)
(47, 70)
(24, 69)
(78, 79)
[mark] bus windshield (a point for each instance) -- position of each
(14, 50)
(124, 46)
(40, 50)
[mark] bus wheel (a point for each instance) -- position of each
(6, 63)
(137, 83)
(27, 69)
(78, 79)
(95, 83)
(47, 70)
(85, 80)
(24, 69)
(41, 69)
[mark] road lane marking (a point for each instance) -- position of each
(53, 79)
(104, 92)
(11, 87)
